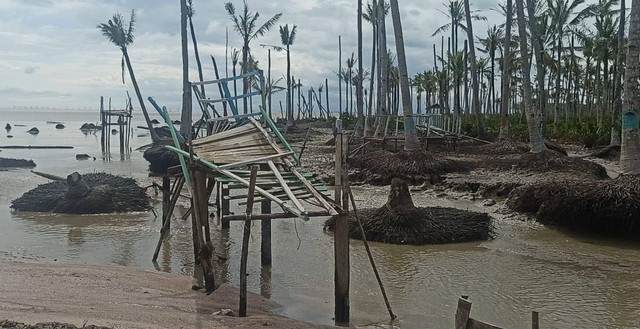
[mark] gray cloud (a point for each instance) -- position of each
(30, 69)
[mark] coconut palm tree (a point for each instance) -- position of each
(383, 64)
(617, 107)
(187, 117)
(287, 37)
(350, 63)
(360, 78)
(535, 139)
(490, 45)
(246, 25)
(410, 136)
(114, 30)
(475, 104)
(235, 54)
(372, 16)
(630, 151)
(539, 54)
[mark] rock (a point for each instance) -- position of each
(89, 126)
(7, 127)
(489, 202)
(155, 122)
(114, 131)
(60, 126)
(84, 157)
(225, 311)
(9, 136)
(33, 131)
(176, 122)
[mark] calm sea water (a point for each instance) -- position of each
(573, 281)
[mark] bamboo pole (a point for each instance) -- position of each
(245, 243)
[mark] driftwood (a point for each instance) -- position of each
(48, 176)
(16, 163)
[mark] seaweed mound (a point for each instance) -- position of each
(416, 167)
(609, 207)
(400, 222)
(87, 194)
(550, 161)
(16, 163)
(502, 147)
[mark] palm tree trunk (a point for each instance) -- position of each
(359, 95)
(197, 55)
(269, 83)
(617, 107)
(340, 76)
(540, 69)
(474, 70)
(558, 74)
(493, 81)
(384, 67)
(410, 136)
(243, 70)
(290, 122)
(630, 150)
(235, 86)
(154, 136)
(367, 124)
(186, 118)
(535, 139)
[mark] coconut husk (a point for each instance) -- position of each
(16, 163)
(611, 152)
(609, 207)
(107, 194)
(378, 167)
(419, 225)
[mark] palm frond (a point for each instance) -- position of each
(266, 26)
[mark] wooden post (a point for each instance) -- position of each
(121, 127)
(535, 320)
(245, 243)
(225, 205)
(265, 226)
(341, 243)
(166, 202)
(102, 124)
(202, 208)
(462, 313)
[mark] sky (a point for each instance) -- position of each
(52, 55)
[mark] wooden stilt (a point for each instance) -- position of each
(535, 320)
(202, 209)
(265, 227)
(462, 313)
(166, 202)
(341, 243)
(225, 206)
(245, 243)
(166, 218)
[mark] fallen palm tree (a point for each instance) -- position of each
(399, 221)
(378, 167)
(16, 163)
(610, 207)
(85, 194)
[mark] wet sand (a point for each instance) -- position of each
(124, 297)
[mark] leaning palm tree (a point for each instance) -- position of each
(410, 136)
(475, 103)
(535, 138)
(245, 25)
(288, 37)
(630, 151)
(122, 37)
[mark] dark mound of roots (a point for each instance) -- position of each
(108, 194)
(416, 167)
(610, 207)
(419, 226)
(502, 147)
(160, 159)
(611, 152)
(5, 324)
(550, 161)
(16, 163)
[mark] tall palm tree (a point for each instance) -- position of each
(410, 137)
(539, 54)
(490, 45)
(372, 16)
(187, 117)
(287, 37)
(474, 70)
(246, 25)
(360, 78)
(235, 54)
(383, 64)
(535, 139)
(630, 151)
(350, 63)
(122, 37)
(617, 107)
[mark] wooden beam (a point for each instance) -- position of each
(245, 244)
(275, 216)
(462, 313)
(256, 160)
(286, 188)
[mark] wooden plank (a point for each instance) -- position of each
(286, 188)
(225, 134)
(462, 313)
(331, 209)
(275, 216)
(237, 77)
(268, 159)
(475, 324)
(245, 244)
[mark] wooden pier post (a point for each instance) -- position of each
(242, 310)
(535, 320)
(166, 202)
(341, 243)
(462, 313)
(102, 126)
(225, 205)
(265, 226)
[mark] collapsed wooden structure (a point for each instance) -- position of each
(115, 118)
(224, 155)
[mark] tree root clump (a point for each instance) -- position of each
(502, 147)
(611, 152)
(94, 193)
(416, 167)
(160, 159)
(549, 161)
(609, 207)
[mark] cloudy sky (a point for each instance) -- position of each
(51, 53)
